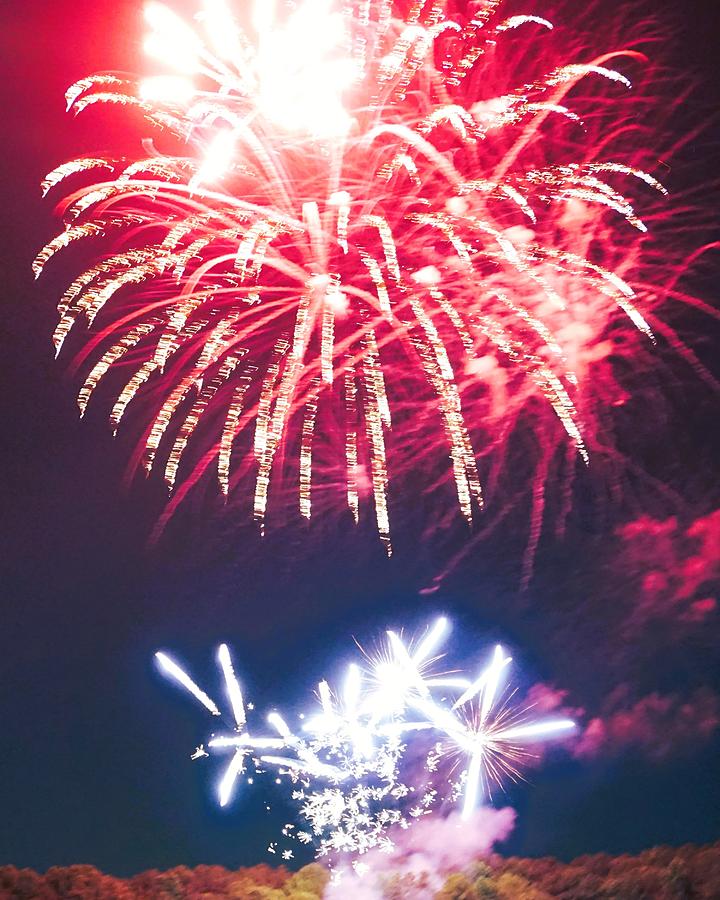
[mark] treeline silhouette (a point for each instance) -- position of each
(663, 873)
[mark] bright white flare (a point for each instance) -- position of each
(171, 41)
(170, 89)
(350, 762)
(302, 72)
(233, 687)
(297, 73)
(171, 668)
(218, 159)
(431, 641)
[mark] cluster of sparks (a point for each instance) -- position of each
(348, 759)
(346, 249)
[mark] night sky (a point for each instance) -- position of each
(94, 745)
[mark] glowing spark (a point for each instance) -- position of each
(473, 775)
(431, 641)
(538, 729)
(233, 688)
(182, 678)
(227, 783)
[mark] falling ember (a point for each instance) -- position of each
(367, 253)
(347, 760)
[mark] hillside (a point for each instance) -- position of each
(663, 873)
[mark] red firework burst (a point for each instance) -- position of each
(376, 241)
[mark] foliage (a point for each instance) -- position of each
(406, 886)
(310, 880)
(458, 887)
(511, 886)
(662, 873)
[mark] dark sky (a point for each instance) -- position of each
(94, 746)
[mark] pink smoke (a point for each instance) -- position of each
(546, 701)
(429, 850)
(657, 726)
(544, 698)
(675, 569)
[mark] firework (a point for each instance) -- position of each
(347, 760)
(361, 251)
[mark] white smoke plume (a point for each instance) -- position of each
(430, 850)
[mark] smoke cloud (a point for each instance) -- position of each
(424, 854)
(657, 726)
(674, 569)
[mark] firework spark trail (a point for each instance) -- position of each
(171, 668)
(347, 207)
(347, 762)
